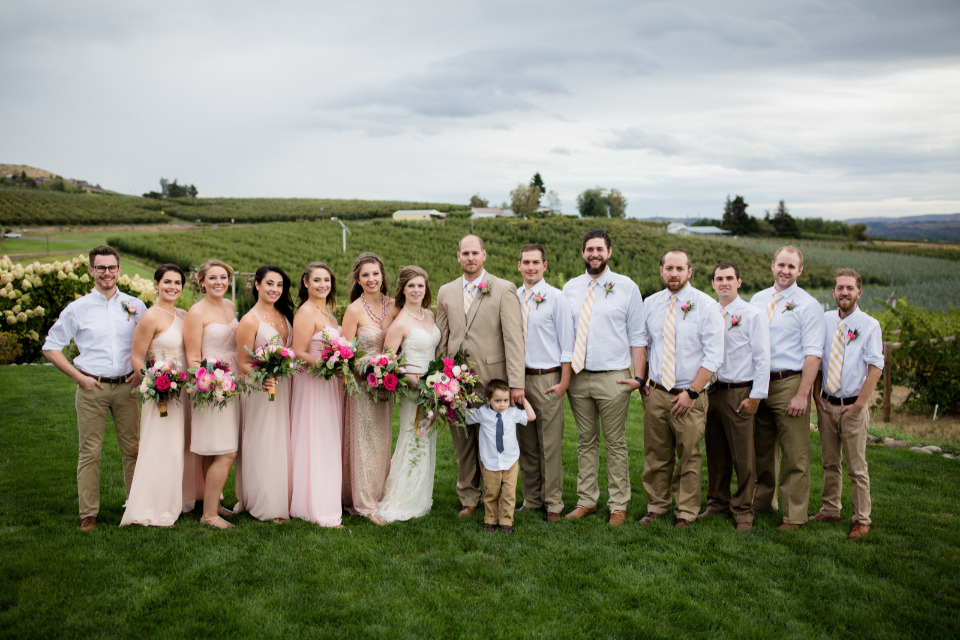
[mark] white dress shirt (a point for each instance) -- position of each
(464, 282)
(616, 320)
(102, 329)
(795, 333)
(699, 334)
(486, 417)
(858, 354)
(746, 347)
(550, 332)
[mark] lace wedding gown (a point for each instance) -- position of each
(409, 492)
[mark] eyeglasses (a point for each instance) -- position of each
(113, 268)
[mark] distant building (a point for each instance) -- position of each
(478, 213)
(683, 230)
(418, 215)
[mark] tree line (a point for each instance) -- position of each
(780, 223)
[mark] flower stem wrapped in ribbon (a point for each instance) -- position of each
(213, 384)
(272, 362)
(162, 383)
(340, 356)
(445, 390)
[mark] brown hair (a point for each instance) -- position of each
(366, 258)
(789, 248)
(724, 265)
(846, 273)
(103, 250)
(685, 254)
(206, 266)
(304, 293)
(496, 385)
(595, 233)
(533, 247)
(406, 275)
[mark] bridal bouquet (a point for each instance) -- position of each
(340, 356)
(445, 389)
(384, 374)
(270, 362)
(213, 384)
(161, 384)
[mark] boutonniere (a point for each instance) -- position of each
(734, 322)
(790, 306)
(687, 307)
(483, 289)
(131, 310)
(852, 335)
(538, 298)
(608, 288)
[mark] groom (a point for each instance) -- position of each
(481, 312)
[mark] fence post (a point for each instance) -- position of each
(887, 379)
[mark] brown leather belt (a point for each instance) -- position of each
(840, 402)
(105, 379)
(723, 386)
(780, 375)
(541, 372)
(673, 392)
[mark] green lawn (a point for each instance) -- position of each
(63, 245)
(441, 576)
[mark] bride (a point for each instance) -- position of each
(409, 491)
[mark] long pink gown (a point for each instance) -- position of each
(156, 497)
(264, 478)
(316, 432)
(216, 431)
(367, 437)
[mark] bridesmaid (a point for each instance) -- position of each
(156, 494)
(317, 405)
(367, 425)
(209, 331)
(263, 466)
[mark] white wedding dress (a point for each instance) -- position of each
(409, 491)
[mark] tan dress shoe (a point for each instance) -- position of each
(552, 516)
(617, 517)
(820, 516)
(681, 523)
(786, 526)
(580, 512)
(744, 526)
(858, 530)
(467, 511)
(88, 524)
(648, 518)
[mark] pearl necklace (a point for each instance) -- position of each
(383, 310)
(414, 316)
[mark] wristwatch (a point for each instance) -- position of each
(693, 394)
(642, 382)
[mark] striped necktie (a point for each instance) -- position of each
(773, 307)
(583, 324)
(525, 311)
(669, 369)
(836, 361)
(468, 298)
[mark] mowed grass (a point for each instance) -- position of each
(441, 576)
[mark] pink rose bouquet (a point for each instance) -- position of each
(271, 362)
(384, 374)
(340, 356)
(445, 390)
(162, 383)
(213, 384)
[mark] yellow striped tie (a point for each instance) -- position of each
(772, 307)
(580, 348)
(836, 361)
(714, 378)
(669, 369)
(525, 311)
(468, 298)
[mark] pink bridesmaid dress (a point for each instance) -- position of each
(317, 424)
(263, 465)
(156, 493)
(216, 431)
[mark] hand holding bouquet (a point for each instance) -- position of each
(162, 382)
(339, 356)
(445, 390)
(270, 362)
(213, 384)
(384, 374)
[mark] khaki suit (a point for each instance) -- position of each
(492, 337)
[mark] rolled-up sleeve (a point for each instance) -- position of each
(63, 330)
(636, 323)
(813, 329)
(873, 354)
(760, 347)
(565, 332)
(711, 328)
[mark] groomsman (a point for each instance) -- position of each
(101, 323)
(683, 335)
(482, 313)
(852, 364)
(609, 316)
(740, 385)
(547, 325)
(782, 424)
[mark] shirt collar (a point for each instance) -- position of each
(480, 278)
(605, 273)
(99, 296)
(788, 292)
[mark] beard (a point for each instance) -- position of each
(595, 271)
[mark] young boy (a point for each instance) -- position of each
(499, 453)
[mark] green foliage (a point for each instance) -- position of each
(783, 222)
(39, 208)
(736, 219)
(477, 202)
(290, 209)
(616, 204)
(11, 351)
(592, 203)
(537, 181)
(525, 200)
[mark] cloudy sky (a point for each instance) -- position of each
(842, 109)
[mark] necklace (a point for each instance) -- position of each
(324, 310)
(383, 309)
(279, 325)
(415, 316)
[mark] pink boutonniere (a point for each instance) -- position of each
(131, 310)
(734, 322)
(852, 335)
(483, 289)
(608, 287)
(790, 306)
(687, 307)
(538, 298)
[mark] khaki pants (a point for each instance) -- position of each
(600, 404)
(499, 495)
(541, 462)
(466, 448)
(669, 441)
(845, 436)
(729, 437)
(93, 407)
(784, 441)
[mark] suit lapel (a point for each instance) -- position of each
(475, 307)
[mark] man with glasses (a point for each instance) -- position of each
(102, 324)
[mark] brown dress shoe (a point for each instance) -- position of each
(580, 512)
(712, 512)
(617, 517)
(858, 530)
(88, 524)
(648, 518)
(489, 528)
(786, 526)
(506, 529)
(820, 516)
(681, 523)
(467, 511)
(744, 526)
(552, 516)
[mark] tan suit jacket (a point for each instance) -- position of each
(490, 334)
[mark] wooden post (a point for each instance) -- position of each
(887, 379)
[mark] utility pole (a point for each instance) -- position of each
(345, 232)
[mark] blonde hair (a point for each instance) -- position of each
(206, 266)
